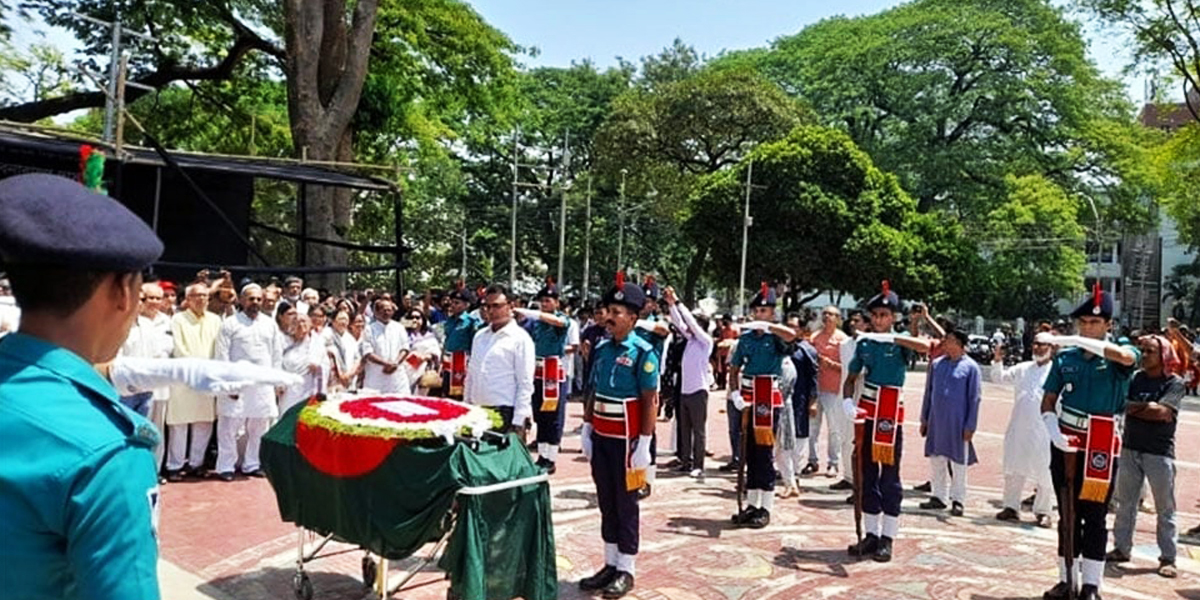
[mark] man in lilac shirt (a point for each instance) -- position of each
(697, 378)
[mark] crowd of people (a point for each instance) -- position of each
(1092, 426)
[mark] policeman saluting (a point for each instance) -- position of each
(1088, 381)
(78, 488)
(618, 422)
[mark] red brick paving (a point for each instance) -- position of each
(230, 535)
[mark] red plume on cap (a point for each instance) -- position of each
(886, 287)
(1096, 294)
(763, 290)
(621, 279)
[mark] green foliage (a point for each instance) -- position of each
(825, 218)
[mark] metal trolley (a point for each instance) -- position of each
(375, 569)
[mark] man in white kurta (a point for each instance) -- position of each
(248, 336)
(1026, 444)
(150, 337)
(384, 347)
(194, 334)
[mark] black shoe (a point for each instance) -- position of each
(682, 467)
(729, 467)
(258, 473)
(1058, 592)
(1008, 514)
(884, 552)
(850, 499)
(621, 584)
(600, 580)
(174, 476)
(1088, 592)
(743, 517)
(956, 509)
(842, 485)
(924, 487)
(758, 519)
(866, 547)
(674, 464)
(1116, 556)
(809, 469)
(549, 468)
(933, 504)
(644, 492)
(225, 476)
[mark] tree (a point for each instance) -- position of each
(1165, 34)
(954, 96)
(669, 136)
(826, 219)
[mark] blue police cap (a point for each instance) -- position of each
(886, 298)
(51, 220)
(764, 297)
(1097, 304)
(628, 294)
(651, 290)
(550, 290)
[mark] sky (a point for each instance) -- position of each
(571, 30)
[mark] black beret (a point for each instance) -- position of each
(765, 297)
(627, 294)
(550, 290)
(1097, 304)
(50, 220)
(887, 299)
(462, 294)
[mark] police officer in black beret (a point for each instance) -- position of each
(618, 420)
(78, 488)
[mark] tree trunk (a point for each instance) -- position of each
(693, 275)
(326, 66)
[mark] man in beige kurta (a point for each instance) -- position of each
(194, 332)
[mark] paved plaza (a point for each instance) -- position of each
(225, 540)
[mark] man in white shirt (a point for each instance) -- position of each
(693, 389)
(500, 374)
(385, 346)
(150, 337)
(252, 337)
(10, 314)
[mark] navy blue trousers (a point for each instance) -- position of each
(881, 488)
(618, 507)
(760, 460)
(549, 423)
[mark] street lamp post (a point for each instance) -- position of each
(562, 208)
(745, 240)
(512, 251)
(587, 241)
(621, 223)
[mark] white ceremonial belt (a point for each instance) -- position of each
(1074, 419)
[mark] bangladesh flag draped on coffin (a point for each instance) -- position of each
(502, 545)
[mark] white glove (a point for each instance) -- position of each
(886, 338)
(755, 326)
(528, 313)
(850, 407)
(739, 402)
(130, 375)
(1096, 347)
(641, 453)
(585, 440)
(1050, 420)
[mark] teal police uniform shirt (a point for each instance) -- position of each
(78, 488)
(760, 353)
(1089, 383)
(624, 369)
(460, 331)
(549, 340)
(886, 364)
(657, 342)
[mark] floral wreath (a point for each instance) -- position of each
(351, 435)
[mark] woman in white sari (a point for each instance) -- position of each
(347, 360)
(305, 356)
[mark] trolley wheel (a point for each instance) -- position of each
(370, 569)
(302, 586)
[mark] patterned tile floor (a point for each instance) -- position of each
(230, 537)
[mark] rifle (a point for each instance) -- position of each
(860, 426)
(741, 473)
(1069, 462)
